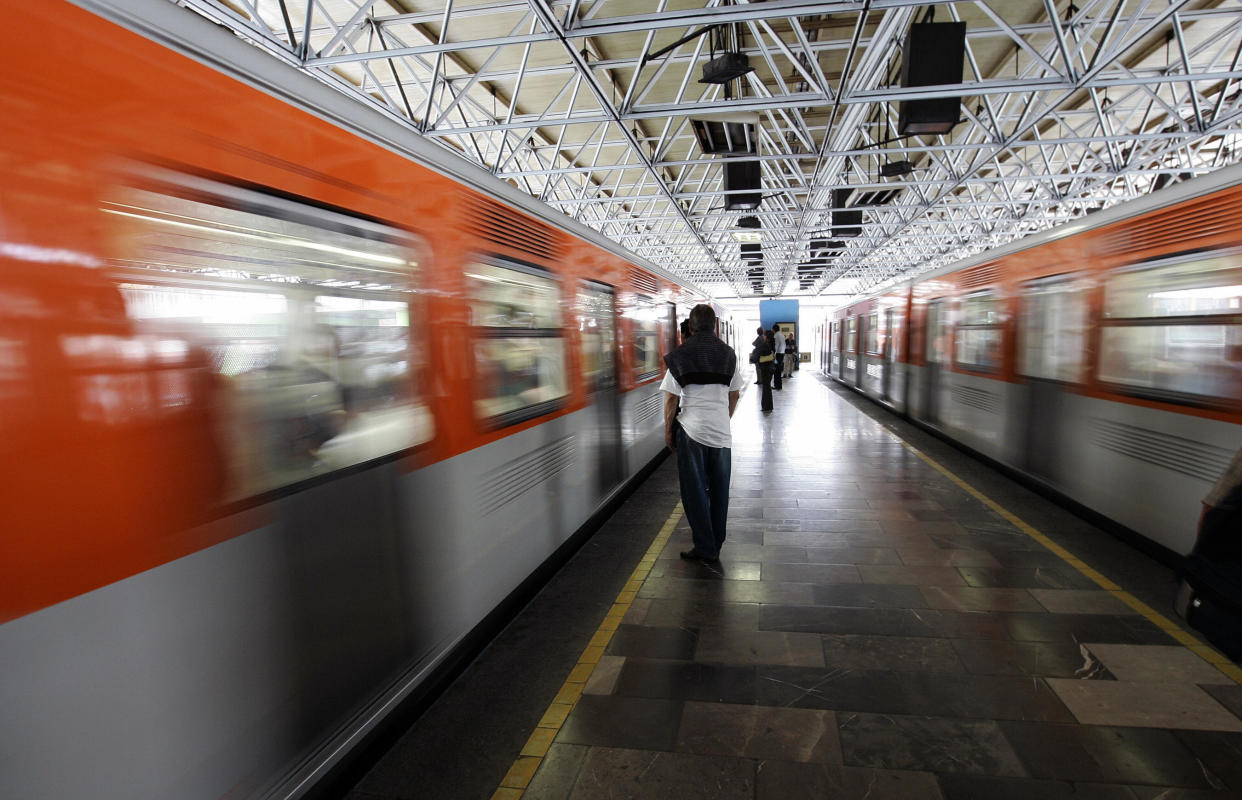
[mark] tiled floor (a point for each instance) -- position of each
(871, 631)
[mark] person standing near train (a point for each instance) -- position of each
(761, 356)
(705, 376)
(778, 341)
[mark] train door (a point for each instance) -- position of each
(858, 335)
(935, 356)
(1051, 338)
(597, 325)
(887, 353)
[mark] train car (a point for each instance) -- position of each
(292, 404)
(1101, 359)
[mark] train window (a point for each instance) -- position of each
(979, 334)
(645, 322)
(302, 314)
(519, 345)
(1175, 329)
(851, 335)
(1052, 330)
(598, 337)
(872, 334)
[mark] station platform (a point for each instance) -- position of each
(889, 619)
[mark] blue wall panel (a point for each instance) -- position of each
(774, 311)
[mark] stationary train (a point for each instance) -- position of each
(1101, 359)
(291, 402)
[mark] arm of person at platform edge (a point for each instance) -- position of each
(1229, 481)
(735, 386)
(670, 417)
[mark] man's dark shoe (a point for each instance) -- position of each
(694, 555)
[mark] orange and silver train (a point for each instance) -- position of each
(1101, 359)
(290, 405)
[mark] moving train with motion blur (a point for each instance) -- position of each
(292, 405)
(1101, 359)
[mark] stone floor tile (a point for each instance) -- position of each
(760, 647)
(810, 573)
(846, 554)
(558, 773)
(1101, 754)
(701, 613)
(1033, 659)
(1144, 705)
(628, 774)
(729, 568)
(779, 780)
(759, 732)
(687, 680)
(1157, 663)
(1081, 601)
(912, 576)
(973, 787)
(1104, 628)
(941, 557)
(727, 591)
(893, 653)
(642, 641)
(1218, 754)
(1027, 578)
(622, 721)
(604, 677)
(869, 595)
(974, 598)
(927, 744)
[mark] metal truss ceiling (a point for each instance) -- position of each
(586, 105)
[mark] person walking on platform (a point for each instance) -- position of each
(792, 345)
(777, 368)
(754, 355)
(789, 355)
(762, 358)
(706, 376)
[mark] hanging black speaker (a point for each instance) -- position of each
(933, 55)
(845, 221)
(742, 176)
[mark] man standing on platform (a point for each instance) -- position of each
(704, 374)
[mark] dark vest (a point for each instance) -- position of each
(704, 359)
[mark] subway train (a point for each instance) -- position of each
(1101, 359)
(293, 404)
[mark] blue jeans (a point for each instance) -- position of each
(704, 477)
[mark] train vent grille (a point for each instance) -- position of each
(1172, 227)
(647, 408)
(493, 222)
(513, 479)
(643, 281)
(981, 276)
(1186, 456)
(981, 399)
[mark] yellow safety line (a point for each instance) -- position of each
(1208, 654)
(519, 775)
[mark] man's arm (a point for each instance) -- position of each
(733, 396)
(670, 414)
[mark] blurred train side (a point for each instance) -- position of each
(1102, 359)
(285, 415)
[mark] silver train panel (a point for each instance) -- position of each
(1147, 469)
(212, 673)
(642, 424)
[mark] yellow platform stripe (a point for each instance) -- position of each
(519, 776)
(1176, 631)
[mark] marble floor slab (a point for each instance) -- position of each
(1144, 705)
